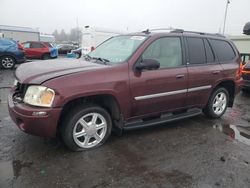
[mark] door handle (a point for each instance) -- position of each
(180, 76)
(215, 72)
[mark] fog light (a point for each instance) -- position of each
(39, 113)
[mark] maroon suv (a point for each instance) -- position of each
(129, 81)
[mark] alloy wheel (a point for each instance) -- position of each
(7, 62)
(220, 103)
(90, 130)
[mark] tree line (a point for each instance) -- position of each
(75, 35)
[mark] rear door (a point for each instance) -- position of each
(204, 70)
(163, 89)
(37, 49)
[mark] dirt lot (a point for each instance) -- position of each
(188, 153)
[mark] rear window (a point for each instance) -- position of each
(48, 44)
(196, 50)
(223, 50)
(36, 45)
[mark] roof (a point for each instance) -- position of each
(17, 28)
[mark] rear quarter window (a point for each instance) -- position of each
(223, 50)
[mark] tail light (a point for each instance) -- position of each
(239, 71)
(20, 47)
(92, 48)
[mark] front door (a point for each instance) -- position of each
(162, 89)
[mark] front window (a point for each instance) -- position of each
(117, 49)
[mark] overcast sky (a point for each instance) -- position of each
(134, 15)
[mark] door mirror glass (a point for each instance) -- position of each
(148, 64)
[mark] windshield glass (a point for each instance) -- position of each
(117, 49)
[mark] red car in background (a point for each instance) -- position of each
(43, 50)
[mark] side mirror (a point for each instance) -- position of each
(148, 64)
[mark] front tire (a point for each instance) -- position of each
(7, 62)
(217, 104)
(86, 127)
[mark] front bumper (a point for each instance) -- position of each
(23, 116)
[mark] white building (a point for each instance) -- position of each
(20, 34)
(242, 42)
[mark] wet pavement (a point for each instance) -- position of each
(195, 152)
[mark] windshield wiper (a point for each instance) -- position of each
(104, 61)
(87, 57)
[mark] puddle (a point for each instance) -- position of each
(18, 165)
(10, 170)
(236, 132)
(6, 174)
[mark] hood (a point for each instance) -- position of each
(40, 71)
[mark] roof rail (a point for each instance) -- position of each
(147, 31)
(199, 33)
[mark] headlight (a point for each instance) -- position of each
(39, 96)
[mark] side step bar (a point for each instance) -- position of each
(163, 119)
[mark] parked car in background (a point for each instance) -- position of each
(93, 36)
(77, 53)
(128, 82)
(11, 53)
(66, 48)
(245, 72)
(41, 50)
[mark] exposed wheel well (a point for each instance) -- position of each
(8, 55)
(108, 102)
(230, 87)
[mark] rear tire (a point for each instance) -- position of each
(45, 56)
(7, 62)
(86, 127)
(217, 104)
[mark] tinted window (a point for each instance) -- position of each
(196, 51)
(209, 52)
(223, 50)
(36, 45)
(167, 51)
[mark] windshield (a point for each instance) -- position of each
(117, 49)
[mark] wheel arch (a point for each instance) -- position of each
(107, 101)
(229, 85)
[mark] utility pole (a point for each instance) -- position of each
(225, 18)
(77, 31)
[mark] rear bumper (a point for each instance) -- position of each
(245, 84)
(24, 118)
